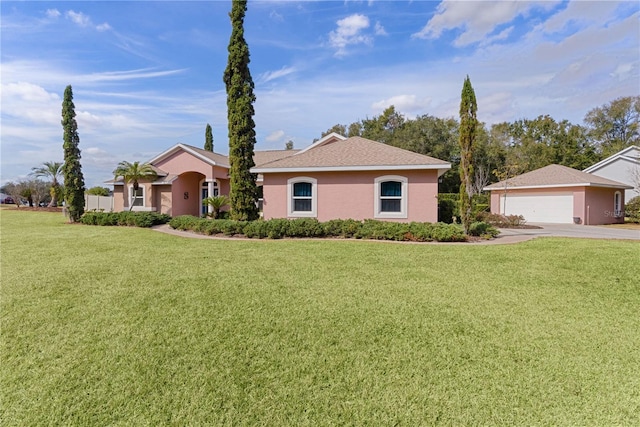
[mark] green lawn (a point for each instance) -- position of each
(125, 326)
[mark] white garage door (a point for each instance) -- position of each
(552, 208)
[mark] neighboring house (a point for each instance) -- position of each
(340, 178)
(624, 166)
(559, 194)
(336, 177)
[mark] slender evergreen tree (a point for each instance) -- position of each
(468, 126)
(242, 136)
(72, 170)
(208, 138)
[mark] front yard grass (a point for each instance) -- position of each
(128, 326)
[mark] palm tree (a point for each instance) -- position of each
(133, 173)
(217, 203)
(52, 171)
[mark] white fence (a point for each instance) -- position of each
(98, 203)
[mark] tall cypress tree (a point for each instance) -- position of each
(72, 170)
(242, 136)
(468, 125)
(208, 138)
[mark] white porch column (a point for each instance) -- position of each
(210, 190)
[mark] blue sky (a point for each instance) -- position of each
(147, 75)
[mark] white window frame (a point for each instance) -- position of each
(377, 205)
(617, 204)
(314, 197)
(144, 206)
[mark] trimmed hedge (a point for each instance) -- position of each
(310, 227)
(127, 218)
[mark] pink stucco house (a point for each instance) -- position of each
(559, 194)
(336, 177)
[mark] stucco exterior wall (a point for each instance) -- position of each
(122, 197)
(163, 199)
(350, 195)
(599, 206)
(185, 194)
(118, 198)
(181, 162)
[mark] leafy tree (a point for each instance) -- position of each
(52, 171)
(208, 138)
(72, 170)
(383, 127)
(240, 112)
(216, 203)
(468, 126)
(337, 128)
(133, 173)
(99, 191)
(38, 192)
(615, 125)
(289, 145)
(355, 129)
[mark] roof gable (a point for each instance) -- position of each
(337, 153)
(631, 154)
(211, 158)
(556, 176)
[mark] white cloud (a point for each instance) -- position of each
(84, 21)
(79, 18)
(379, 29)
(275, 136)
(272, 75)
(623, 71)
(349, 32)
(477, 19)
(103, 27)
(52, 13)
(403, 103)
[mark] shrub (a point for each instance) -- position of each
(305, 227)
(502, 221)
(341, 227)
(446, 210)
(310, 227)
(448, 233)
(483, 229)
(632, 210)
(183, 222)
(137, 219)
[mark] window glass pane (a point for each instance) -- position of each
(138, 197)
(302, 189)
(390, 205)
(302, 205)
(391, 189)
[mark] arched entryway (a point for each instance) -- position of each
(186, 194)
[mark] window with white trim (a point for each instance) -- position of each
(391, 197)
(302, 197)
(617, 204)
(137, 196)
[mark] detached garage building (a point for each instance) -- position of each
(559, 194)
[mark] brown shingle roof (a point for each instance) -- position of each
(556, 176)
(262, 157)
(354, 152)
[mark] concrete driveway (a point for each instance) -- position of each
(572, 230)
